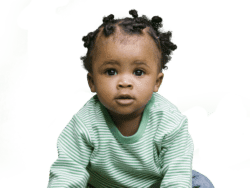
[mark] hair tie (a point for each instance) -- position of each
(133, 12)
(156, 21)
(108, 18)
(86, 39)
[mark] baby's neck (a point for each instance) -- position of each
(128, 125)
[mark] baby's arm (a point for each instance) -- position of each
(176, 157)
(74, 151)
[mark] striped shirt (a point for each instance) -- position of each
(91, 149)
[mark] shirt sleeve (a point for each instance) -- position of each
(74, 151)
(176, 158)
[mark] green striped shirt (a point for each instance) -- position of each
(92, 150)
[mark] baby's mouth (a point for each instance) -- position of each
(123, 101)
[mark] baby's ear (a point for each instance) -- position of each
(160, 77)
(158, 82)
(91, 82)
(89, 76)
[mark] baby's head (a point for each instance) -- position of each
(126, 57)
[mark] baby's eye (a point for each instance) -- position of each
(113, 70)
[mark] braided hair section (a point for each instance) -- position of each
(131, 26)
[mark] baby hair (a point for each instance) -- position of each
(131, 26)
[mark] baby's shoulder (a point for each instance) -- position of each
(88, 114)
(166, 110)
(162, 103)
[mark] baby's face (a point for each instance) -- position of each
(125, 68)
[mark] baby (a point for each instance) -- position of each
(127, 135)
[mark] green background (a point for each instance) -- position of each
(42, 84)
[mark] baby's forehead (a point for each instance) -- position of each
(121, 37)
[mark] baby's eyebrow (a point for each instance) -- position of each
(117, 63)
